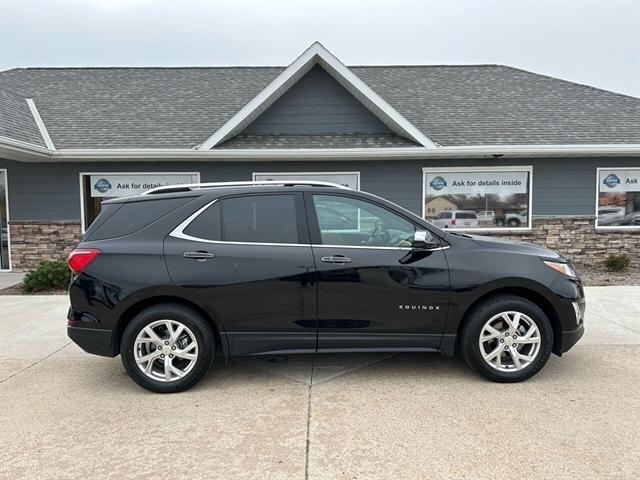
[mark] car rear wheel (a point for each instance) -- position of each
(514, 222)
(507, 339)
(167, 348)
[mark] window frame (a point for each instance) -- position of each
(301, 220)
(610, 227)
(81, 175)
(316, 234)
(492, 168)
(356, 173)
(6, 199)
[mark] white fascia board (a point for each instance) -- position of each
(22, 151)
(316, 54)
(11, 145)
(44, 133)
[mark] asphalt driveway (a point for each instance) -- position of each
(66, 414)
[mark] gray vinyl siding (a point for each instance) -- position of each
(317, 104)
(561, 186)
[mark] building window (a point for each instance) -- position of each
(96, 187)
(487, 198)
(348, 179)
(4, 223)
(618, 203)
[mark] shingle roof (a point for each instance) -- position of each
(452, 105)
(331, 140)
(16, 120)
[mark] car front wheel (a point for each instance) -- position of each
(167, 348)
(507, 339)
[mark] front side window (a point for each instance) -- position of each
(353, 222)
(260, 219)
(480, 197)
(618, 198)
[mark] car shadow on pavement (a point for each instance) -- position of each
(316, 369)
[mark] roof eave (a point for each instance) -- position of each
(22, 151)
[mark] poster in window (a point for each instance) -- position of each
(483, 199)
(618, 198)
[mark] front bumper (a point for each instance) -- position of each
(93, 340)
(570, 338)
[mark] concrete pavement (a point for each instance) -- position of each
(8, 279)
(67, 414)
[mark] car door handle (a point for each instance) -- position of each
(336, 259)
(199, 256)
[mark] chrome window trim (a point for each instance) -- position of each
(318, 245)
(178, 232)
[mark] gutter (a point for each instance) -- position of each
(26, 152)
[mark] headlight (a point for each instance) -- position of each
(564, 268)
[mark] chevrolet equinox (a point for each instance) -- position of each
(175, 276)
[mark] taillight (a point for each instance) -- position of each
(79, 259)
(453, 222)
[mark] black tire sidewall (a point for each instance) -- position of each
(486, 310)
(193, 320)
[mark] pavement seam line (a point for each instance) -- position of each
(35, 363)
(308, 441)
(602, 317)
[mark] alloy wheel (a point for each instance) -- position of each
(509, 341)
(166, 350)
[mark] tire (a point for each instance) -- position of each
(514, 223)
(492, 310)
(191, 348)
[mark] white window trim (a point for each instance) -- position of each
(612, 227)
(82, 174)
(6, 199)
(510, 168)
(357, 174)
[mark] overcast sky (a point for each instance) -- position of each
(591, 42)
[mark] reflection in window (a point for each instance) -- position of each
(352, 222)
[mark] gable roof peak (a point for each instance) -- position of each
(316, 54)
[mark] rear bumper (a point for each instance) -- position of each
(93, 340)
(570, 338)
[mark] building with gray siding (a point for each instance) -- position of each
(527, 156)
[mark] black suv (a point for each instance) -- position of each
(172, 277)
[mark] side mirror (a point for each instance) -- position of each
(423, 240)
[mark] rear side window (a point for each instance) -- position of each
(444, 215)
(132, 216)
(260, 218)
(207, 225)
(466, 215)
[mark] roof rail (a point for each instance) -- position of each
(195, 186)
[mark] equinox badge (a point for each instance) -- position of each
(418, 307)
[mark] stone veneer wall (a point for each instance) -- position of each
(575, 237)
(34, 241)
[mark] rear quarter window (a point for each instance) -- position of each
(131, 217)
(207, 225)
